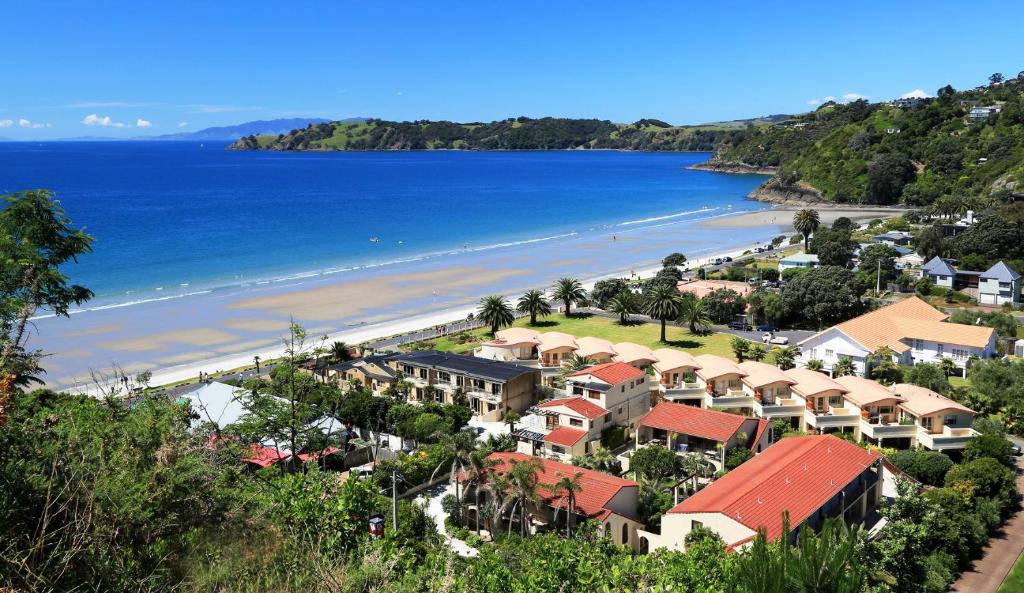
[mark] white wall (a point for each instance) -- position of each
(829, 346)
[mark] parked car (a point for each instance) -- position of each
(740, 325)
(727, 259)
(718, 261)
(767, 327)
(759, 250)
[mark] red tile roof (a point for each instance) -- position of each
(796, 474)
(691, 420)
(564, 435)
(319, 454)
(577, 404)
(598, 488)
(263, 456)
(762, 425)
(612, 373)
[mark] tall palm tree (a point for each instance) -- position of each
(948, 367)
(534, 303)
(339, 352)
(478, 469)
(522, 489)
(569, 486)
(573, 364)
(843, 367)
(757, 353)
(815, 365)
(806, 221)
(664, 303)
(695, 315)
(496, 312)
(740, 347)
(623, 304)
(569, 291)
(785, 357)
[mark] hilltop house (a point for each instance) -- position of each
(915, 331)
(688, 429)
(979, 114)
(809, 477)
(372, 372)
(1000, 284)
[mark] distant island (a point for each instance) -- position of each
(521, 133)
(911, 151)
(272, 126)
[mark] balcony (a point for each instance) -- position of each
(832, 417)
(949, 438)
(782, 407)
(681, 391)
(732, 398)
(879, 429)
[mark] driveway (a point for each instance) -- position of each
(1001, 553)
(430, 499)
(795, 335)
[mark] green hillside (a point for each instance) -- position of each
(881, 153)
(510, 134)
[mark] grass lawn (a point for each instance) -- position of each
(958, 381)
(1015, 580)
(646, 334)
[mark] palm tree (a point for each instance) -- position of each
(511, 417)
(757, 353)
(569, 291)
(740, 347)
(496, 312)
(339, 352)
(664, 303)
(478, 468)
(843, 367)
(569, 486)
(948, 367)
(815, 365)
(806, 222)
(522, 489)
(785, 357)
(695, 314)
(623, 304)
(534, 303)
(572, 364)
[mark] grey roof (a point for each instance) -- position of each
(801, 257)
(895, 235)
(1001, 272)
(902, 250)
(481, 368)
(937, 266)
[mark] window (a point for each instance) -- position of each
(926, 422)
(641, 380)
(408, 370)
(608, 417)
(557, 449)
(479, 384)
(495, 389)
(443, 377)
(631, 385)
(829, 353)
(620, 410)
(625, 533)
(622, 389)
(835, 400)
(594, 394)
(439, 396)
(695, 525)
(939, 348)
(949, 420)
(575, 422)
(423, 373)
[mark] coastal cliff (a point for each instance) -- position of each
(774, 191)
(734, 167)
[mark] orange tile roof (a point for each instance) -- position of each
(670, 359)
(611, 373)
(760, 374)
(629, 352)
(590, 346)
(597, 488)
(691, 420)
(810, 382)
(864, 392)
(577, 404)
(797, 475)
(565, 435)
(924, 402)
(712, 366)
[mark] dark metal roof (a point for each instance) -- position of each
(481, 368)
(531, 435)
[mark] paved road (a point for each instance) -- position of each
(1002, 552)
(795, 335)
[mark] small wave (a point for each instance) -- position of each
(126, 304)
(666, 217)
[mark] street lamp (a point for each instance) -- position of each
(257, 360)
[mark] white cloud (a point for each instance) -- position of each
(6, 123)
(915, 94)
(28, 124)
(182, 124)
(814, 102)
(828, 98)
(850, 97)
(142, 123)
(104, 121)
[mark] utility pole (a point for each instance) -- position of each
(878, 278)
(394, 500)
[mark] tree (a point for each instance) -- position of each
(757, 353)
(824, 296)
(740, 347)
(995, 78)
(655, 463)
(815, 365)
(569, 291)
(805, 222)
(511, 417)
(931, 243)
(993, 446)
(929, 376)
(522, 489)
(888, 172)
(534, 303)
(496, 312)
(986, 477)
(664, 303)
(674, 260)
(724, 304)
(843, 367)
(623, 304)
(928, 467)
(834, 247)
(339, 352)
(37, 244)
(878, 262)
(785, 357)
(883, 366)
(695, 314)
(736, 457)
(605, 290)
(569, 486)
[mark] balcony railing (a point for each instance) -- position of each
(949, 438)
(778, 407)
(878, 429)
(732, 398)
(831, 417)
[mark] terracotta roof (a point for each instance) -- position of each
(263, 456)
(796, 475)
(555, 340)
(762, 425)
(712, 366)
(949, 333)
(810, 382)
(923, 402)
(611, 373)
(702, 288)
(597, 488)
(670, 359)
(865, 392)
(691, 420)
(564, 435)
(590, 346)
(629, 352)
(760, 374)
(516, 335)
(580, 405)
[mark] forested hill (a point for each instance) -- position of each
(910, 152)
(510, 134)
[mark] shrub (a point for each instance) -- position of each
(927, 467)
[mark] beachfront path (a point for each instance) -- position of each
(1002, 551)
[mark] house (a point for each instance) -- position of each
(677, 377)
(372, 372)
(824, 403)
(772, 391)
(634, 354)
(610, 501)
(999, 285)
(492, 387)
(877, 412)
(980, 114)
(808, 478)
(798, 260)
(596, 398)
(596, 349)
(214, 402)
(688, 429)
(515, 344)
(915, 331)
(940, 271)
(940, 423)
(702, 288)
(908, 260)
(722, 382)
(893, 238)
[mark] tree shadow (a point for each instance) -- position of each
(684, 343)
(580, 315)
(543, 324)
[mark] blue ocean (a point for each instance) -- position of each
(177, 217)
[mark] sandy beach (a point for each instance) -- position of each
(784, 217)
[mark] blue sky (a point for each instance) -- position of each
(114, 68)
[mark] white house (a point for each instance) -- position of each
(999, 285)
(914, 330)
(1018, 348)
(798, 260)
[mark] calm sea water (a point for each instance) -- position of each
(178, 217)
